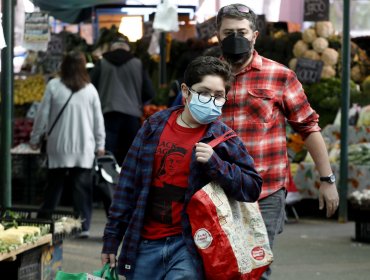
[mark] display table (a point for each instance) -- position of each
(307, 178)
(24, 263)
(12, 256)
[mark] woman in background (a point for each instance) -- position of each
(77, 135)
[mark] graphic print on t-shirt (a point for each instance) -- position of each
(168, 191)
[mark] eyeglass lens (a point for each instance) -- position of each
(206, 97)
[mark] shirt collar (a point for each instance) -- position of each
(256, 63)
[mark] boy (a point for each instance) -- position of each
(167, 163)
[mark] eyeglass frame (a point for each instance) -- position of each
(212, 97)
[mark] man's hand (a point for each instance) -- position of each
(203, 152)
(328, 195)
(111, 259)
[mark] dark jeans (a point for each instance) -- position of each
(273, 213)
(82, 185)
(120, 131)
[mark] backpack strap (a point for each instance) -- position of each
(229, 134)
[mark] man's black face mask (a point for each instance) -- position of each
(236, 49)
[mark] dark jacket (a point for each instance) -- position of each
(122, 82)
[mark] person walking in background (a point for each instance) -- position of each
(124, 86)
(77, 135)
(263, 95)
(168, 162)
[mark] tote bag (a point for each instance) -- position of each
(230, 236)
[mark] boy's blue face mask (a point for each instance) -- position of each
(203, 113)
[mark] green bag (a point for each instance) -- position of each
(106, 273)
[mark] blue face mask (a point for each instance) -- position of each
(203, 113)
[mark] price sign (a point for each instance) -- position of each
(36, 31)
(316, 10)
(309, 71)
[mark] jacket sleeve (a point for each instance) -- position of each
(233, 168)
(123, 203)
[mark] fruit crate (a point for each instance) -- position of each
(27, 216)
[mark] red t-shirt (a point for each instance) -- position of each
(170, 179)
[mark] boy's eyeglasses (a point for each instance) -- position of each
(205, 97)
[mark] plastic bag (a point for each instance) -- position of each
(105, 273)
(61, 275)
(165, 19)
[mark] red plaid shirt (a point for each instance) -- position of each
(264, 95)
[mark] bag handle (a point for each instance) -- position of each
(107, 272)
(229, 134)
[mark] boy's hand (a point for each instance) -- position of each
(203, 152)
(108, 258)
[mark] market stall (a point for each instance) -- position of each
(32, 247)
(307, 178)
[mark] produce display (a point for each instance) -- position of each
(315, 45)
(150, 109)
(13, 237)
(358, 154)
(320, 42)
(22, 130)
(66, 225)
(325, 98)
(28, 89)
(360, 199)
(20, 227)
(364, 116)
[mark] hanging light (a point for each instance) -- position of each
(132, 27)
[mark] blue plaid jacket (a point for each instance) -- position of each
(231, 166)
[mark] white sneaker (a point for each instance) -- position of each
(84, 234)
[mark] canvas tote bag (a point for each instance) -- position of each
(230, 236)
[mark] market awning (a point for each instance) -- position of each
(72, 11)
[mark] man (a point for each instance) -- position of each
(263, 96)
(123, 86)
